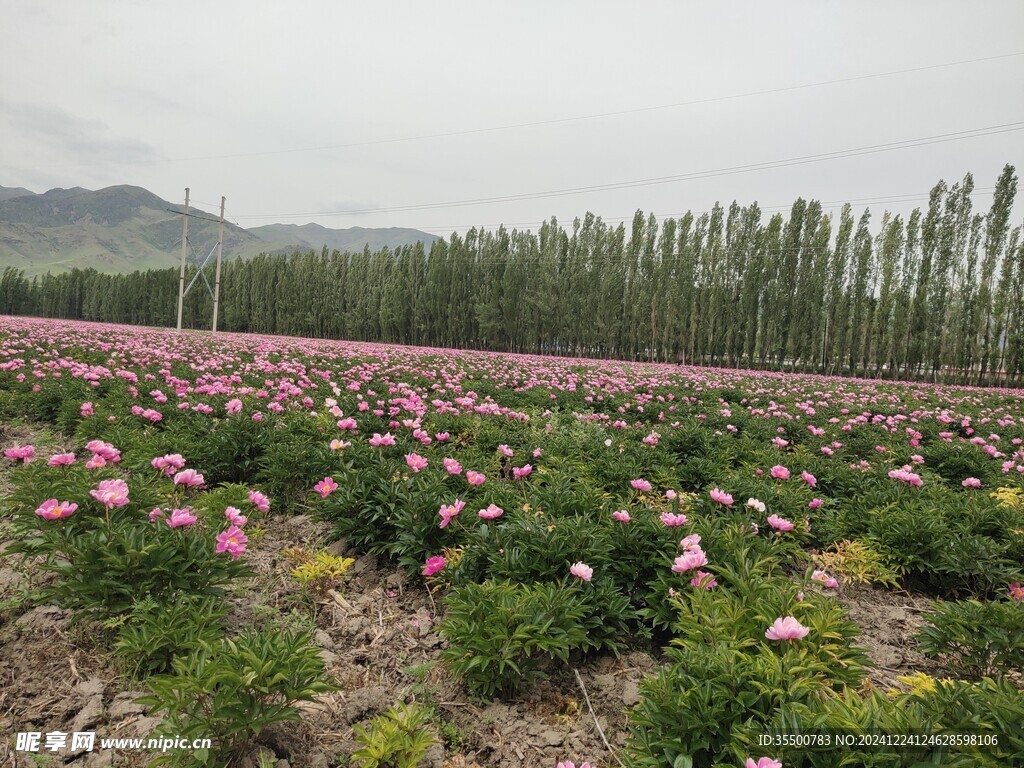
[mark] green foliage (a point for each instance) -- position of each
(499, 632)
(986, 710)
(155, 633)
(723, 672)
(230, 691)
(977, 639)
(397, 739)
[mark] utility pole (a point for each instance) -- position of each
(184, 249)
(220, 251)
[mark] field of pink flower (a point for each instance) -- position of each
(430, 557)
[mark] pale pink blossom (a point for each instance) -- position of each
(111, 493)
(416, 462)
(475, 478)
(448, 511)
(189, 477)
(180, 517)
(672, 519)
(51, 509)
(787, 628)
(235, 516)
(779, 523)
(493, 511)
(721, 497)
(260, 500)
(621, 515)
(704, 579)
(581, 571)
(693, 557)
(61, 459)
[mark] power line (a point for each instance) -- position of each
(599, 115)
(728, 171)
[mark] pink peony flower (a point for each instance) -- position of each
(971, 482)
(189, 477)
(721, 497)
(504, 450)
(621, 515)
(825, 579)
(520, 472)
(570, 763)
(415, 462)
(808, 478)
(671, 519)
(23, 453)
(232, 541)
(904, 475)
(779, 472)
(338, 445)
(690, 541)
(452, 467)
(779, 523)
(86, 409)
(582, 571)
(378, 440)
(235, 516)
(180, 517)
(326, 487)
(693, 557)
(786, 628)
(61, 459)
(448, 511)
(763, 762)
(51, 509)
(111, 493)
(433, 565)
(640, 484)
(155, 514)
(169, 463)
(475, 478)
(704, 579)
(233, 406)
(493, 511)
(815, 503)
(260, 500)
(1017, 592)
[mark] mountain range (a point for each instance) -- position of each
(125, 228)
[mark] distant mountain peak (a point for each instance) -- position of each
(122, 228)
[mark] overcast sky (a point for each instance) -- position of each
(296, 109)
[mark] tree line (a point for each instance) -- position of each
(938, 296)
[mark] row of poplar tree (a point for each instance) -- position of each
(938, 296)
